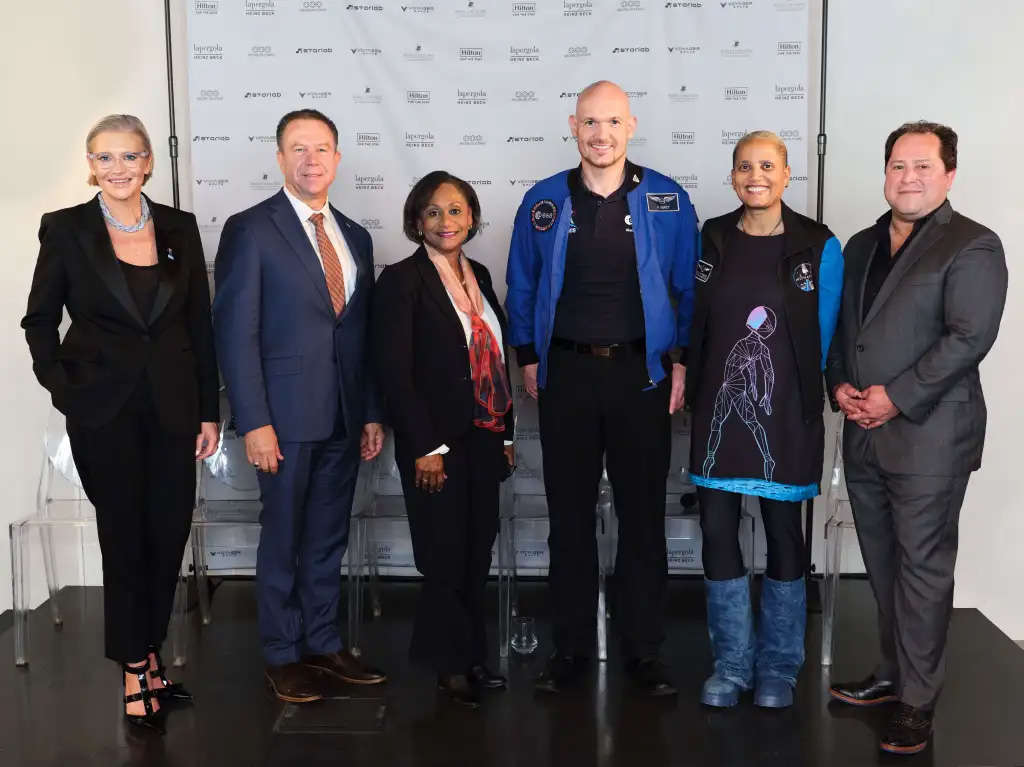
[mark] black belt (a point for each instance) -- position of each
(627, 349)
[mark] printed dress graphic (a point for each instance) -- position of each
(739, 390)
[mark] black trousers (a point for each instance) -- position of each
(452, 535)
(142, 481)
(719, 525)
(592, 408)
(908, 529)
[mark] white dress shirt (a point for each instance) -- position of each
(348, 264)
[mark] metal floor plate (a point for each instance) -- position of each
(333, 716)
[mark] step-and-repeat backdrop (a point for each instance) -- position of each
(483, 89)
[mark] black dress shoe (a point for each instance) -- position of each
(908, 730)
(346, 667)
(867, 692)
(484, 677)
(458, 688)
(650, 676)
(560, 673)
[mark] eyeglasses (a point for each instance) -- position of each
(106, 160)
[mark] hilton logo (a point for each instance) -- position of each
(683, 96)
(471, 54)
(577, 52)
(523, 55)
(683, 137)
(789, 48)
(260, 7)
(419, 140)
(367, 139)
(524, 140)
(577, 8)
(735, 93)
(213, 52)
(730, 137)
(262, 94)
(313, 51)
(417, 97)
(471, 98)
(524, 9)
(789, 92)
(365, 51)
(369, 183)
(261, 52)
(206, 7)
(684, 50)
(203, 139)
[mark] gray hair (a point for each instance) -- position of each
(118, 124)
(761, 135)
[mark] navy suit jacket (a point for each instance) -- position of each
(286, 358)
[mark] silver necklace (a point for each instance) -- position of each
(774, 230)
(137, 227)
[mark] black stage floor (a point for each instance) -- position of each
(64, 709)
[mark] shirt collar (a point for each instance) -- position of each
(633, 176)
(302, 210)
(882, 226)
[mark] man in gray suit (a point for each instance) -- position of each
(923, 295)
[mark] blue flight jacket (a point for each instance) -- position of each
(667, 243)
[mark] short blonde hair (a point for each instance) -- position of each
(761, 135)
(118, 124)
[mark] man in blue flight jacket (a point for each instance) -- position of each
(600, 296)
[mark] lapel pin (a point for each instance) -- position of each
(170, 254)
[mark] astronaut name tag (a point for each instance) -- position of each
(663, 203)
(703, 273)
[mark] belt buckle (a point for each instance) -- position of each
(601, 351)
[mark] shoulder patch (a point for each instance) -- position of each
(543, 215)
(663, 203)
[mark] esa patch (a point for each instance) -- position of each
(663, 203)
(803, 277)
(543, 215)
(703, 273)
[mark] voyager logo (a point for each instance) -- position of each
(260, 7)
(365, 51)
(314, 95)
(367, 139)
(730, 137)
(524, 9)
(417, 97)
(525, 54)
(419, 140)
(471, 98)
(736, 4)
(522, 182)
(735, 93)
(369, 182)
(631, 50)
(684, 50)
(524, 140)
(262, 139)
(303, 51)
(574, 9)
(789, 92)
(206, 7)
(210, 138)
(213, 52)
(211, 182)
(683, 137)
(789, 48)
(262, 94)
(418, 9)
(471, 54)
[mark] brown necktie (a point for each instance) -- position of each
(332, 266)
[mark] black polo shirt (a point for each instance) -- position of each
(884, 259)
(600, 301)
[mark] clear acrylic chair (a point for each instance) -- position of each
(840, 518)
(61, 506)
(524, 528)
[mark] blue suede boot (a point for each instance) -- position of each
(731, 628)
(780, 641)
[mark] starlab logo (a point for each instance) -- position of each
(577, 8)
(674, 5)
(471, 54)
(418, 9)
(417, 97)
(577, 52)
(313, 51)
(314, 95)
(213, 52)
(683, 96)
(364, 138)
(262, 95)
(684, 50)
(206, 7)
(789, 48)
(790, 92)
(473, 139)
(524, 9)
(260, 7)
(363, 7)
(471, 98)
(523, 54)
(366, 96)
(569, 95)
(730, 137)
(313, 6)
(418, 54)
(683, 137)
(737, 51)
(205, 139)
(371, 224)
(369, 183)
(525, 140)
(524, 97)
(209, 94)
(631, 49)
(261, 52)
(735, 93)
(470, 11)
(365, 51)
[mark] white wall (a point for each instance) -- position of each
(954, 63)
(951, 62)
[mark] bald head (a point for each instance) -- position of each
(603, 126)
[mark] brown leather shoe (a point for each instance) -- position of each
(294, 683)
(346, 667)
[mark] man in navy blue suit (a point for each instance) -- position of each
(294, 279)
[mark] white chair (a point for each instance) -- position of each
(840, 518)
(61, 505)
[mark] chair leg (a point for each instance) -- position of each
(355, 586)
(504, 589)
(50, 568)
(19, 591)
(199, 568)
(178, 630)
(372, 572)
(833, 565)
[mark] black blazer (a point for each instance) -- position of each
(421, 356)
(109, 346)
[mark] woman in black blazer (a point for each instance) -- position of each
(136, 376)
(440, 359)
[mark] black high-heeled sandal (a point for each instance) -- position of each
(171, 692)
(152, 719)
